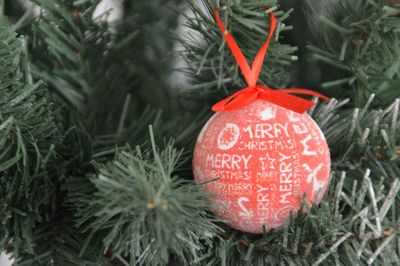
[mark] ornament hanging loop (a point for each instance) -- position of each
(251, 74)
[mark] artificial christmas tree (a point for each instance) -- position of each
(97, 142)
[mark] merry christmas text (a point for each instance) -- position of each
(228, 161)
(267, 131)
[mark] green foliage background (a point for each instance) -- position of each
(95, 158)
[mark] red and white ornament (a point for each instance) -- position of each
(265, 158)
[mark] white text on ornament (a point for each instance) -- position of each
(264, 130)
(228, 174)
(264, 145)
(263, 203)
(233, 189)
(228, 161)
(300, 128)
(306, 147)
(285, 178)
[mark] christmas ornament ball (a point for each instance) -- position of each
(262, 158)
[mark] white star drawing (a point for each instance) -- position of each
(267, 162)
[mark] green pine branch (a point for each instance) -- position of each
(342, 230)
(360, 40)
(29, 135)
(57, 243)
(141, 210)
(354, 133)
(84, 199)
(112, 85)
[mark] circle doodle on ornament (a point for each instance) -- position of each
(228, 137)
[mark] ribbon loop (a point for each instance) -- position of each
(253, 92)
(250, 74)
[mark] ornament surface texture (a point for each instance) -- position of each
(265, 158)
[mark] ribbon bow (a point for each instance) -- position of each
(255, 91)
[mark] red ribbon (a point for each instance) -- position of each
(255, 91)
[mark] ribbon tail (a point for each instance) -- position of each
(238, 100)
(288, 101)
(306, 92)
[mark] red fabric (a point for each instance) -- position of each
(253, 92)
(258, 162)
